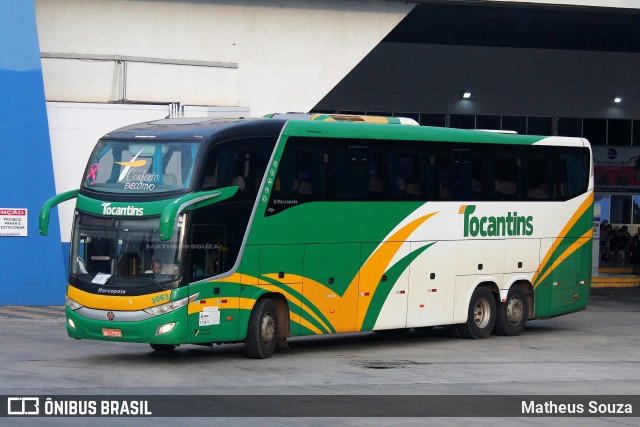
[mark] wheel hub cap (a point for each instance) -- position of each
(267, 329)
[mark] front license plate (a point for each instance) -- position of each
(113, 333)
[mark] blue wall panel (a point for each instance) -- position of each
(30, 268)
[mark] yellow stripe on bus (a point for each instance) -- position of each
(118, 302)
(301, 304)
(378, 262)
(230, 302)
(243, 279)
(304, 322)
(586, 237)
(572, 221)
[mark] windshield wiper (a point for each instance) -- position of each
(158, 284)
(149, 278)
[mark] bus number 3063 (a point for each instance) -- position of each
(159, 298)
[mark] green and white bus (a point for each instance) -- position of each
(203, 231)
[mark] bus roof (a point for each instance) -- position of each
(204, 128)
(351, 118)
(190, 128)
(420, 133)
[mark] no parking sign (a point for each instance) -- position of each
(13, 222)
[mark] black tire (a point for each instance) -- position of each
(481, 316)
(163, 348)
(262, 332)
(512, 314)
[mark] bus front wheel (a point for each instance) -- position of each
(481, 316)
(262, 331)
(512, 314)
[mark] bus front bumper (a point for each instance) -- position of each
(169, 328)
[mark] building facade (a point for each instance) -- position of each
(551, 68)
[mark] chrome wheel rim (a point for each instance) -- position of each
(482, 313)
(515, 310)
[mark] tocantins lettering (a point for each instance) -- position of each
(107, 209)
(493, 226)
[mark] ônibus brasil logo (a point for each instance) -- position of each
(492, 226)
(121, 210)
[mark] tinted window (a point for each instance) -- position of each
(412, 172)
(503, 172)
(140, 167)
(460, 172)
(569, 127)
(358, 169)
(462, 121)
(573, 172)
(433, 120)
(515, 123)
(539, 173)
(636, 132)
(619, 132)
(595, 130)
(240, 162)
(488, 122)
(302, 175)
(371, 170)
(539, 125)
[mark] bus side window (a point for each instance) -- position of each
(411, 170)
(238, 163)
(446, 172)
(461, 171)
(503, 170)
(573, 171)
(477, 173)
(302, 174)
(358, 169)
(540, 183)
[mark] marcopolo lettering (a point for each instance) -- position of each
(112, 291)
(107, 209)
(494, 226)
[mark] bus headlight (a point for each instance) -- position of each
(72, 304)
(165, 329)
(170, 306)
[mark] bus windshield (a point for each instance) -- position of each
(140, 167)
(125, 253)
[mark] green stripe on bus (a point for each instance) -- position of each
(382, 290)
(307, 302)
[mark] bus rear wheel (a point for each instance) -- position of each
(481, 316)
(512, 314)
(262, 332)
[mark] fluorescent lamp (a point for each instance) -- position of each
(466, 95)
(617, 100)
